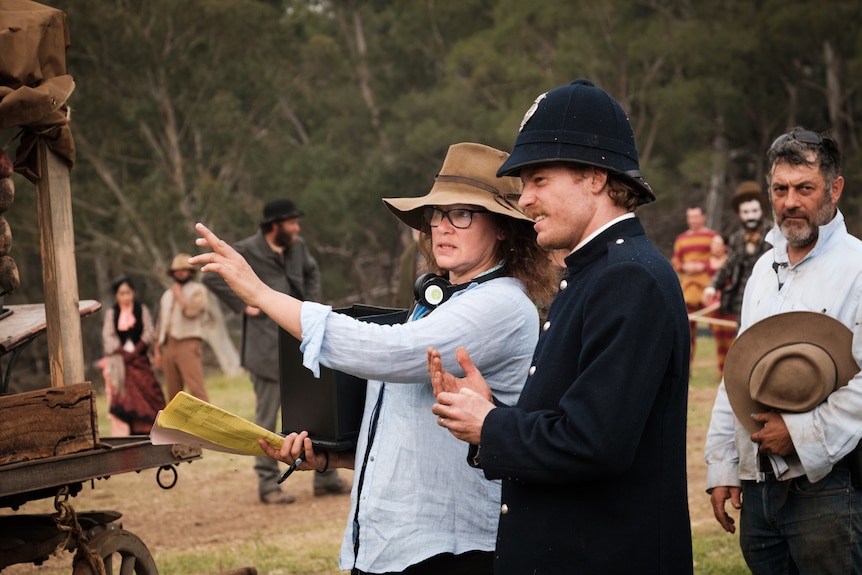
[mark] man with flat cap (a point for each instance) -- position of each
(592, 457)
(781, 444)
(279, 256)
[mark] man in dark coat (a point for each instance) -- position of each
(280, 257)
(592, 457)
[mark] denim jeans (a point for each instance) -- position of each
(796, 526)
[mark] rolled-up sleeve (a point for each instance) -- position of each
(313, 317)
(473, 318)
(720, 452)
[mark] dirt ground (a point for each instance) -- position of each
(214, 503)
(700, 402)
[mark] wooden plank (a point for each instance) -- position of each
(47, 422)
(59, 274)
(28, 321)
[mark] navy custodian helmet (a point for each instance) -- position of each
(578, 123)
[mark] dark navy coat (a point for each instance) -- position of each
(593, 456)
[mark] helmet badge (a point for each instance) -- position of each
(531, 111)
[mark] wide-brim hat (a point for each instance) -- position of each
(181, 262)
(468, 176)
(747, 191)
(787, 362)
(583, 124)
(279, 210)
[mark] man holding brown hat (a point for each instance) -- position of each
(785, 426)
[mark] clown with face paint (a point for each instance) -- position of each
(744, 247)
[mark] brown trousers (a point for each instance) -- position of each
(182, 363)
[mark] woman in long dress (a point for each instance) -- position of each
(134, 394)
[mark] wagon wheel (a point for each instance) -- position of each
(123, 553)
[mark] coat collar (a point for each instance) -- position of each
(597, 247)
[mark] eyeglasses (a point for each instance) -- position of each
(460, 218)
(829, 156)
(804, 136)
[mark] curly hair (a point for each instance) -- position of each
(620, 190)
(793, 147)
(524, 259)
(622, 193)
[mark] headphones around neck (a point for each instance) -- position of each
(432, 290)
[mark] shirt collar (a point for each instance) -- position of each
(826, 233)
(587, 240)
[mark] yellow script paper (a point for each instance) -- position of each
(188, 420)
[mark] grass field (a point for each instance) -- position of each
(715, 551)
(211, 521)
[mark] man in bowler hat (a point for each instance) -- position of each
(592, 457)
(280, 257)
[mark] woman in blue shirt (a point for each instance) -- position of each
(416, 506)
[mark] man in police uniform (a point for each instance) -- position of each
(592, 457)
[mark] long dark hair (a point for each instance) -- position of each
(137, 330)
(118, 282)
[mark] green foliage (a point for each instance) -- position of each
(717, 553)
(266, 558)
(188, 111)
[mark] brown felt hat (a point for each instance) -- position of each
(787, 362)
(181, 262)
(747, 191)
(468, 176)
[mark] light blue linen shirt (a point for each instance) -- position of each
(828, 280)
(419, 496)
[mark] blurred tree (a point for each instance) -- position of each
(188, 111)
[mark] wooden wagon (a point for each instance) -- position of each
(49, 440)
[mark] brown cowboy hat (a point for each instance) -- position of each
(747, 191)
(468, 176)
(787, 362)
(181, 262)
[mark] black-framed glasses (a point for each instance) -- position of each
(460, 218)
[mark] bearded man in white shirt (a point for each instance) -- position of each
(793, 477)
